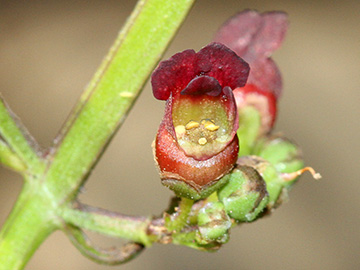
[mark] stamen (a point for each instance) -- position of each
(192, 124)
(210, 125)
(202, 141)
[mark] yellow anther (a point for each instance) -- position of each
(180, 130)
(209, 125)
(192, 124)
(202, 141)
(212, 127)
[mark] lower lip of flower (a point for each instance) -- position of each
(176, 167)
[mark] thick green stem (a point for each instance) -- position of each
(28, 225)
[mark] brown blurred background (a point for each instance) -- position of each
(49, 51)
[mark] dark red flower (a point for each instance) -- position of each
(196, 142)
(254, 36)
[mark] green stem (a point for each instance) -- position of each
(10, 159)
(181, 216)
(113, 91)
(108, 223)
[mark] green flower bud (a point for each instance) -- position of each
(285, 155)
(213, 224)
(245, 195)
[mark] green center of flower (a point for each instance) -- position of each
(202, 129)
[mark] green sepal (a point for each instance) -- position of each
(188, 239)
(182, 189)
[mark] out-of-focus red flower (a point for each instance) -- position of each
(254, 36)
(196, 143)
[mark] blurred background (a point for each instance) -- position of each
(49, 51)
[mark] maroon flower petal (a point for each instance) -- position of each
(266, 76)
(214, 60)
(238, 32)
(270, 35)
(218, 61)
(174, 74)
(203, 85)
(254, 37)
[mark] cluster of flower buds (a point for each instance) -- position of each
(215, 137)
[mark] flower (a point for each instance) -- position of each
(196, 143)
(254, 36)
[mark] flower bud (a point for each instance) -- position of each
(255, 36)
(273, 180)
(285, 155)
(213, 224)
(263, 101)
(245, 195)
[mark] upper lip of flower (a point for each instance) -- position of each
(201, 112)
(214, 60)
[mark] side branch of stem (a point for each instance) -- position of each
(17, 146)
(108, 223)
